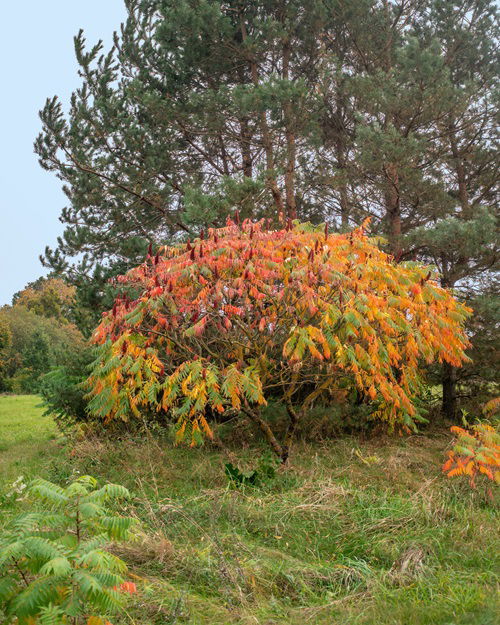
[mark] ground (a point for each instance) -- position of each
(357, 532)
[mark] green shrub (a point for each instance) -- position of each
(61, 389)
(22, 382)
(264, 473)
(54, 564)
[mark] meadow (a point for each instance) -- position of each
(352, 531)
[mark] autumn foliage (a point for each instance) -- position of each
(476, 449)
(245, 314)
(476, 452)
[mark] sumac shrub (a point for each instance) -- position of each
(476, 449)
(55, 564)
(245, 314)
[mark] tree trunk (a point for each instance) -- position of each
(463, 193)
(393, 209)
(266, 137)
(290, 433)
(291, 208)
(449, 382)
(245, 136)
(449, 379)
(392, 199)
(246, 152)
(266, 430)
(449, 372)
(344, 201)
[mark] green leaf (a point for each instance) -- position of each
(47, 492)
(40, 592)
(51, 615)
(57, 566)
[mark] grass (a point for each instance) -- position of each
(358, 532)
(24, 434)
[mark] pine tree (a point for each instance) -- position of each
(463, 242)
(200, 109)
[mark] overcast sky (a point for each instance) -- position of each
(37, 61)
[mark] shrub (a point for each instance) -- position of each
(248, 314)
(475, 453)
(265, 472)
(62, 389)
(54, 566)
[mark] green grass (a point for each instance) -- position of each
(25, 435)
(352, 532)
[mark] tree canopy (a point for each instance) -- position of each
(48, 297)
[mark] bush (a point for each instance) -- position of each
(62, 389)
(54, 564)
(476, 449)
(249, 315)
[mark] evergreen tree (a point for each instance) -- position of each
(463, 243)
(200, 109)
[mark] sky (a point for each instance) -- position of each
(37, 61)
